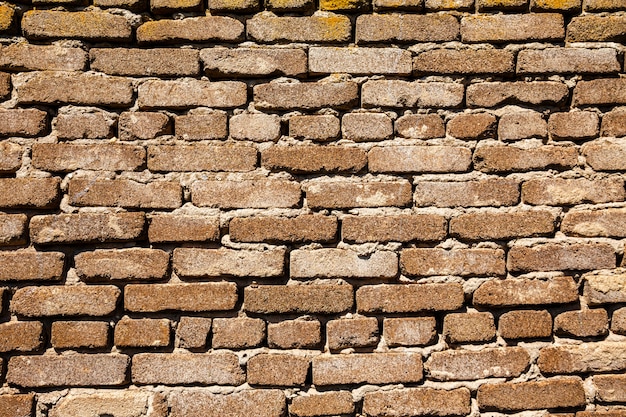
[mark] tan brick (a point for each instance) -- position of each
(618, 321)
(567, 61)
(305, 159)
(254, 62)
(90, 25)
(469, 327)
(173, 6)
(29, 192)
(493, 159)
(23, 56)
(359, 61)
(193, 332)
(5, 85)
(570, 191)
(259, 403)
(200, 157)
(13, 229)
(472, 126)
(461, 262)
(277, 370)
(79, 334)
(192, 29)
(355, 332)
(197, 262)
(289, 5)
(592, 28)
(8, 18)
(608, 222)
(573, 125)
(555, 5)
(417, 402)
(515, 292)
(294, 334)
(23, 122)
(342, 263)
(525, 324)
(234, 5)
(588, 357)
(408, 298)
(269, 28)
(481, 193)
(142, 333)
(31, 265)
(21, 336)
(398, 93)
(202, 125)
(458, 365)
(605, 155)
(193, 297)
(406, 28)
(183, 228)
(609, 91)
(10, 157)
(85, 125)
(304, 228)
(420, 126)
(216, 368)
(166, 62)
(584, 323)
(77, 300)
(86, 227)
(603, 5)
(257, 127)
(261, 193)
(614, 123)
(368, 368)
(534, 395)
(491, 225)
(238, 333)
(505, 5)
(66, 157)
(491, 94)
(122, 264)
(505, 28)
(394, 5)
(124, 193)
(396, 228)
(322, 404)
(438, 159)
(187, 92)
(464, 61)
(306, 95)
(118, 403)
(143, 125)
(320, 298)
(610, 388)
(524, 124)
(363, 127)
(134, 5)
(345, 194)
(16, 405)
(314, 127)
(344, 5)
(409, 331)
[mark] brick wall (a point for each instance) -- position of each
(392, 208)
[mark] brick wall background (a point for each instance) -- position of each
(292, 208)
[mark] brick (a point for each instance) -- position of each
(197, 262)
(131, 333)
(342, 263)
(79, 334)
(398, 93)
(200, 157)
(91, 26)
(481, 193)
(406, 28)
(135, 5)
(320, 298)
(194, 297)
(26, 57)
(193, 332)
(238, 333)
(77, 300)
(13, 229)
(269, 28)
(173, 6)
(191, 29)
(460, 262)
(66, 157)
(309, 159)
(469, 327)
(584, 323)
(343, 5)
(571, 191)
(525, 324)
(386, 298)
(10, 157)
(5, 85)
(491, 94)
(234, 5)
(355, 332)
(77, 370)
(202, 125)
(260, 193)
(394, 5)
(534, 395)
(614, 123)
(345, 194)
(143, 125)
(610, 388)
(86, 227)
(257, 127)
(304, 228)
(472, 126)
(505, 28)
(417, 402)
(124, 193)
(464, 61)
(322, 404)
(608, 222)
(277, 370)
(183, 228)
(609, 91)
(17, 405)
(29, 192)
(491, 225)
(8, 18)
(567, 6)
(505, 5)
(567, 61)
(516, 292)
(605, 155)
(573, 125)
(187, 92)
(314, 127)
(23, 122)
(21, 336)
(165, 62)
(597, 29)
(396, 228)
(121, 403)
(289, 5)
(495, 159)
(305, 96)
(418, 159)
(368, 368)
(31, 265)
(588, 357)
(362, 127)
(359, 61)
(603, 5)
(216, 368)
(605, 288)
(420, 126)
(122, 264)
(556, 256)
(254, 62)
(525, 124)
(409, 331)
(260, 403)
(294, 334)
(85, 125)
(618, 321)
(458, 365)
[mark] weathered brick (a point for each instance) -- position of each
(464, 61)
(618, 321)
(614, 123)
(188, 92)
(122, 264)
(409, 331)
(322, 404)
(10, 157)
(85, 125)
(89, 25)
(30, 265)
(8, 17)
(610, 388)
(386, 298)
(491, 94)
(142, 333)
(571, 191)
(592, 28)
(79, 334)
(289, 5)
(362, 127)
(481, 193)
(344, 5)
(143, 125)
(368, 368)
(461, 262)
(277, 370)
(237, 333)
(469, 327)
(567, 61)
(21, 336)
(26, 57)
(294, 334)
(306, 159)
(342, 263)
(396, 228)
(306, 96)
(534, 395)
(16, 405)
(438, 159)
(588, 357)
(118, 403)
(197, 262)
(573, 125)
(304, 228)
(257, 127)
(608, 222)
(603, 5)
(29, 192)
(568, 6)
(13, 229)
(609, 91)
(455, 365)
(504, 5)
(488, 225)
(193, 332)
(200, 157)
(605, 155)
(472, 126)
(134, 5)
(193, 29)
(417, 402)
(22, 122)
(234, 5)
(269, 28)
(365, 61)
(314, 127)
(493, 159)
(583, 323)
(355, 332)
(260, 193)
(202, 125)
(167, 62)
(556, 256)
(260, 403)
(347, 194)
(124, 193)
(605, 287)
(398, 93)
(194, 297)
(514, 292)
(217, 368)
(524, 124)
(320, 298)
(505, 28)
(76, 300)
(173, 6)
(420, 126)
(5, 85)
(86, 227)
(183, 228)
(254, 62)
(525, 324)
(406, 28)
(67, 157)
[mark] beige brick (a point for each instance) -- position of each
(8, 17)
(589, 357)
(257, 127)
(234, 5)
(304, 228)
(525, 124)
(406, 28)
(200, 157)
(238, 333)
(165, 62)
(122, 264)
(461, 262)
(269, 28)
(603, 5)
(618, 321)
(355, 332)
(23, 56)
(187, 93)
(191, 29)
(505, 5)
(322, 404)
(85, 125)
(216, 368)
(77, 370)
(90, 25)
(306, 95)
(464, 61)
(491, 225)
(534, 395)
(491, 94)
(344, 5)
(143, 125)
(193, 332)
(525, 324)
(614, 123)
(10, 157)
(437, 159)
(198, 262)
(342, 263)
(481, 193)
(13, 229)
(417, 402)
(120, 403)
(254, 62)
(605, 155)
(66, 157)
(306, 159)
(183, 228)
(609, 91)
(125, 4)
(289, 5)
(584, 323)
(173, 6)
(76, 300)
(131, 333)
(570, 191)
(363, 127)
(402, 94)
(469, 327)
(202, 125)
(420, 126)
(16, 405)
(610, 388)
(461, 364)
(23, 122)
(505, 28)
(261, 193)
(515, 292)
(396, 228)
(472, 126)
(359, 61)
(31, 265)
(294, 334)
(86, 227)
(193, 297)
(573, 125)
(124, 193)
(345, 194)
(493, 159)
(259, 403)
(409, 331)
(320, 298)
(567, 61)
(412, 5)
(605, 287)
(5, 85)
(592, 28)
(555, 5)
(608, 222)
(29, 192)
(314, 127)
(277, 370)
(79, 334)
(386, 298)
(21, 336)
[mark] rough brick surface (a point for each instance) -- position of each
(183, 228)
(193, 332)
(585, 323)
(21, 336)
(17, 405)
(271, 28)
(409, 298)
(525, 324)
(360, 60)
(191, 262)
(141, 333)
(491, 94)
(193, 29)
(419, 401)
(329, 403)
(294, 334)
(94, 26)
(554, 256)
(201, 125)
(410, 331)
(481, 193)
(304, 228)
(252, 62)
(97, 125)
(504, 28)
(468, 365)
(261, 403)
(342, 263)
(211, 296)
(512, 292)
(406, 28)
(604, 288)
(23, 56)
(462, 262)
(605, 222)
(362, 127)
(22, 122)
(277, 370)
(201, 158)
(397, 93)
(187, 93)
(306, 96)
(79, 334)
(12, 229)
(10, 157)
(356, 332)
(143, 125)
(65, 301)
(145, 62)
(262, 193)
(399, 228)
(30, 265)
(567, 60)
(123, 264)
(320, 298)
(66, 157)
(344, 194)
(401, 159)
(489, 225)
(237, 333)
(590, 357)
(124, 193)
(493, 159)
(561, 191)
(469, 327)
(470, 61)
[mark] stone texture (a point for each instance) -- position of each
(201, 157)
(388, 298)
(234, 5)
(357, 332)
(605, 155)
(406, 28)
(584, 323)
(461, 262)
(363, 127)
(418, 159)
(294, 334)
(281, 370)
(187, 93)
(67, 157)
(114, 403)
(304, 228)
(464, 61)
(197, 262)
(322, 404)
(21, 336)
(124, 193)
(253, 62)
(13, 229)
(31, 265)
(409, 331)
(522, 125)
(29, 192)
(87, 125)
(357, 61)
(491, 225)
(10, 157)
(237, 333)
(472, 126)
(571, 191)
(399, 93)
(260, 403)
(606, 223)
(143, 125)
(605, 287)
(192, 29)
(469, 327)
(79, 334)
(417, 402)
(269, 28)
(589, 357)
(63, 301)
(481, 193)
(495, 159)
(257, 127)
(556, 256)
(7, 17)
(491, 94)
(396, 228)
(183, 228)
(618, 321)
(320, 298)
(192, 297)
(22, 122)
(261, 193)
(455, 365)
(614, 123)
(573, 125)
(610, 388)
(525, 324)
(519, 291)
(342, 263)
(122, 264)
(609, 91)
(348, 194)
(567, 61)
(24, 56)
(134, 333)
(420, 126)
(164, 62)
(193, 332)
(309, 159)
(305, 96)
(567, 6)
(170, 6)
(503, 28)
(202, 125)
(17, 405)
(314, 127)
(592, 28)
(91, 26)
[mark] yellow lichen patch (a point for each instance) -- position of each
(289, 4)
(338, 5)
(501, 4)
(7, 14)
(334, 27)
(556, 4)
